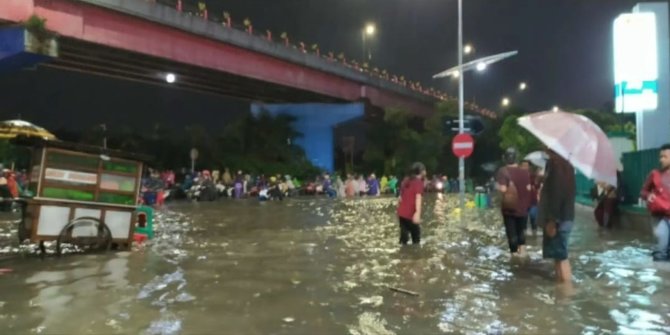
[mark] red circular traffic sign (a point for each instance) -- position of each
(463, 145)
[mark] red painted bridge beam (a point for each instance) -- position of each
(111, 28)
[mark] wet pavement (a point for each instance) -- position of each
(315, 266)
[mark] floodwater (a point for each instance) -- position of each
(315, 266)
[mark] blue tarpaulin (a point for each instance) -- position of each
(315, 122)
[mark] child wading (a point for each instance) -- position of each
(409, 207)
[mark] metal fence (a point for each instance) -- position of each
(584, 185)
(637, 166)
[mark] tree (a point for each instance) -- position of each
(602, 119)
(514, 136)
(263, 144)
(392, 143)
(398, 139)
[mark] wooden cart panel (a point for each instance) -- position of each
(46, 219)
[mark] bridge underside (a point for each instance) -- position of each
(80, 56)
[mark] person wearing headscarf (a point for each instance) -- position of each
(350, 187)
(339, 187)
(227, 178)
(383, 185)
(373, 185)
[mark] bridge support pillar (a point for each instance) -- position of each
(19, 48)
(316, 123)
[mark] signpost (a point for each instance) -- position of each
(463, 145)
(473, 126)
(194, 157)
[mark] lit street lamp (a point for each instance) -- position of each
(170, 78)
(367, 33)
(370, 29)
(505, 102)
(555, 109)
(461, 103)
(480, 64)
(523, 86)
(468, 49)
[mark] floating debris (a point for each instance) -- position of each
(370, 324)
(375, 301)
(401, 290)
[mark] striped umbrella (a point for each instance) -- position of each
(13, 128)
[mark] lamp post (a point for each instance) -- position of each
(367, 33)
(103, 127)
(478, 64)
(461, 103)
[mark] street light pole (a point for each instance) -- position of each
(365, 49)
(480, 65)
(104, 135)
(367, 33)
(461, 160)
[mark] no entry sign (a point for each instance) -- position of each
(463, 145)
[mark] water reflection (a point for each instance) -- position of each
(318, 266)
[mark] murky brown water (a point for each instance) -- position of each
(321, 267)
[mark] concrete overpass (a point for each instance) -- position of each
(141, 40)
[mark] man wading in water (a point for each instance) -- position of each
(409, 207)
(557, 214)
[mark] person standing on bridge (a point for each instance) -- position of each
(409, 206)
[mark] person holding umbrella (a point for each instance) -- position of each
(557, 213)
(573, 141)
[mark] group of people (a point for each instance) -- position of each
(545, 198)
(12, 183)
(210, 185)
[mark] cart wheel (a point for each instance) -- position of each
(43, 249)
(102, 241)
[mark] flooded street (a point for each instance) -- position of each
(315, 266)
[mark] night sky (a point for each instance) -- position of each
(564, 56)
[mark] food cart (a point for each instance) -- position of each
(82, 195)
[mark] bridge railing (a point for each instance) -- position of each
(199, 9)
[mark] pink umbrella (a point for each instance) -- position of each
(577, 139)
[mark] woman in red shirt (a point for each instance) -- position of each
(409, 207)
